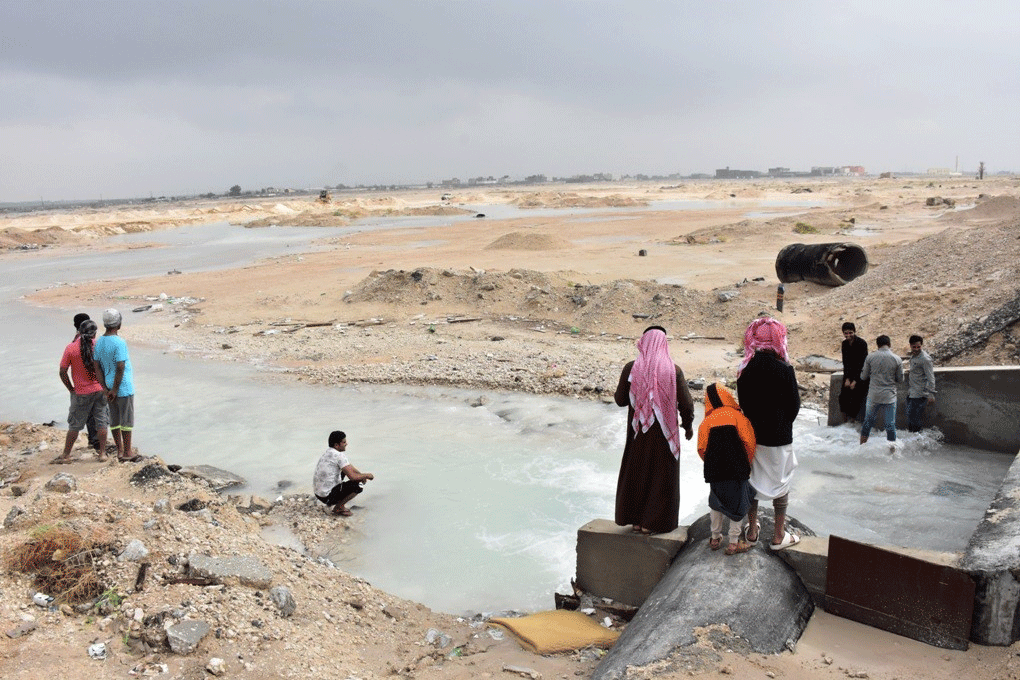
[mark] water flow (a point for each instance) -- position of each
(473, 507)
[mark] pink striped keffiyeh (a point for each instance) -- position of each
(653, 388)
(764, 333)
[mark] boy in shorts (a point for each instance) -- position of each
(88, 400)
(113, 367)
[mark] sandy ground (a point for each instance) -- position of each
(544, 304)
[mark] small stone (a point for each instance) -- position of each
(24, 628)
(134, 552)
(185, 636)
(284, 600)
(216, 666)
(62, 482)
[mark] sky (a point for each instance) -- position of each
(121, 99)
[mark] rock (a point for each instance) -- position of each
(12, 517)
(216, 478)
(726, 295)
(134, 552)
(284, 600)
(394, 613)
(522, 671)
(18, 489)
(216, 666)
(193, 505)
(24, 628)
(185, 636)
(151, 472)
(692, 594)
(62, 482)
(161, 507)
(437, 638)
(260, 504)
(821, 364)
(245, 570)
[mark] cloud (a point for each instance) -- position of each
(153, 97)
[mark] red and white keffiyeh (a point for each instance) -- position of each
(764, 333)
(653, 388)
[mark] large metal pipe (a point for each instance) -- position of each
(829, 264)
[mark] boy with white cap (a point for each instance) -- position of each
(113, 367)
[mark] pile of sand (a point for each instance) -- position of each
(522, 240)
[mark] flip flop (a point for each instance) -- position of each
(59, 460)
(757, 533)
(715, 543)
(788, 540)
(132, 459)
(738, 547)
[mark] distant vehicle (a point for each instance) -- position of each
(446, 197)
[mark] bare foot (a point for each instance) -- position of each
(343, 512)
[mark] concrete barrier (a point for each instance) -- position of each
(615, 562)
(976, 406)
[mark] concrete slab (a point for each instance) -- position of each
(993, 559)
(615, 562)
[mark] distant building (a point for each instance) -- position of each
(726, 173)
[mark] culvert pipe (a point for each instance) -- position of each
(828, 264)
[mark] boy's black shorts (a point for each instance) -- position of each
(340, 492)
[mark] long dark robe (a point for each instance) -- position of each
(852, 399)
(648, 488)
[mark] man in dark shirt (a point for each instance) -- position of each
(855, 390)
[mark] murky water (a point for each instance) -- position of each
(473, 508)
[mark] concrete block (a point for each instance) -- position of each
(809, 559)
(615, 562)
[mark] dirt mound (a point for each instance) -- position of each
(557, 199)
(522, 240)
(993, 208)
(14, 238)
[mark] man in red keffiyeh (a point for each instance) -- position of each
(655, 390)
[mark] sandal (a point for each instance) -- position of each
(715, 543)
(757, 532)
(60, 460)
(738, 547)
(788, 540)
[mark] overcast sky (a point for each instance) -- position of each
(128, 99)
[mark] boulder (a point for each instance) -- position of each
(756, 594)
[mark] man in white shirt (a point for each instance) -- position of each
(329, 484)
